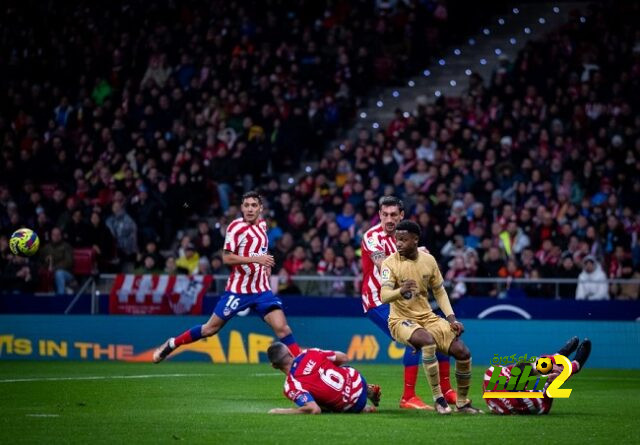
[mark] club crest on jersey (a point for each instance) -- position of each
(386, 273)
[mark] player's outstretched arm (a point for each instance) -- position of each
(307, 408)
(231, 259)
(340, 358)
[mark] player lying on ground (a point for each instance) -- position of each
(535, 405)
(317, 382)
(407, 276)
(377, 244)
(245, 250)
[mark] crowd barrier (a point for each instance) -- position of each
(297, 305)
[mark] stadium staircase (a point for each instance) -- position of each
(504, 36)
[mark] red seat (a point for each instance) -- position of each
(83, 262)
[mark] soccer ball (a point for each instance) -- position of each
(544, 365)
(24, 242)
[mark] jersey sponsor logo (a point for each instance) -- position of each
(309, 367)
(408, 323)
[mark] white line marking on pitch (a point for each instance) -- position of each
(101, 377)
(43, 415)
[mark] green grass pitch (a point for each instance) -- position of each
(98, 402)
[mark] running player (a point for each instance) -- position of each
(538, 405)
(245, 250)
(377, 244)
(317, 382)
(407, 276)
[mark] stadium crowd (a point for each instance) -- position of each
(137, 140)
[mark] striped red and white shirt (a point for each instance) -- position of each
(315, 377)
(247, 240)
(375, 239)
(515, 406)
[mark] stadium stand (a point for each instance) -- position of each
(129, 130)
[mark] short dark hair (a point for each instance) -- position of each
(277, 353)
(252, 194)
(387, 201)
(408, 226)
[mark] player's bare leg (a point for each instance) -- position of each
(461, 353)
(211, 327)
(278, 322)
(421, 339)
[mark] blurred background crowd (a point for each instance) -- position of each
(131, 134)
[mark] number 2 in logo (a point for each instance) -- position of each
(554, 389)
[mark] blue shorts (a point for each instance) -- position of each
(231, 303)
(362, 400)
(380, 316)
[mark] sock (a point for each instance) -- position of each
(445, 371)
(575, 367)
(410, 379)
(430, 365)
(291, 344)
(463, 380)
(193, 334)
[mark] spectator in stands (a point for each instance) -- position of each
(148, 266)
(309, 287)
(281, 251)
(592, 282)
(76, 231)
(568, 270)
(537, 289)
(514, 240)
(18, 274)
(491, 265)
(146, 213)
(455, 248)
(170, 267)
(203, 266)
(295, 260)
(57, 257)
(188, 260)
(125, 231)
(340, 288)
(101, 240)
(621, 266)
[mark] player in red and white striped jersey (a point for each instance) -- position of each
(317, 382)
(247, 240)
(537, 405)
(246, 251)
(378, 243)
